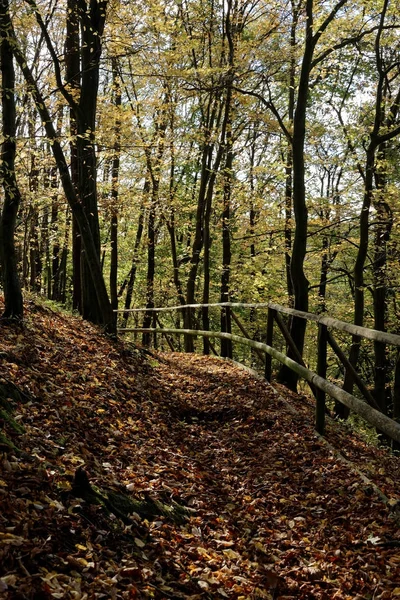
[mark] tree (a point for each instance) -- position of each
(299, 279)
(384, 129)
(12, 197)
(115, 168)
(91, 17)
(78, 207)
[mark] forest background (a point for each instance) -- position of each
(185, 151)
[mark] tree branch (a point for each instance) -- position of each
(57, 71)
(347, 42)
(270, 107)
(328, 20)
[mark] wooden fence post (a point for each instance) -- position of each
(226, 345)
(187, 323)
(270, 332)
(155, 345)
(321, 370)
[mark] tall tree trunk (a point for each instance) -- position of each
(332, 196)
(44, 251)
(233, 28)
(114, 189)
(384, 217)
(91, 250)
(198, 241)
(54, 238)
(130, 280)
(170, 222)
(289, 156)
(377, 139)
(253, 213)
(174, 257)
(384, 226)
(382, 235)
(205, 316)
(151, 242)
(72, 73)
(64, 259)
(341, 410)
(299, 279)
(297, 274)
(153, 167)
(226, 345)
(92, 25)
(11, 284)
(208, 174)
(323, 277)
(35, 262)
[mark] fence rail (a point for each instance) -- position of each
(367, 409)
(363, 332)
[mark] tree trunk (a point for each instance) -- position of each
(208, 173)
(341, 410)
(55, 241)
(384, 216)
(198, 240)
(88, 242)
(148, 317)
(92, 25)
(205, 316)
(12, 198)
(130, 280)
(114, 189)
(44, 252)
(72, 73)
(289, 156)
(153, 167)
(371, 171)
(253, 213)
(226, 345)
(298, 277)
(174, 257)
(64, 258)
(35, 262)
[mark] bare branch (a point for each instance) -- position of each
(57, 71)
(268, 104)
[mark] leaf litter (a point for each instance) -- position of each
(273, 513)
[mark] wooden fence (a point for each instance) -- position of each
(320, 386)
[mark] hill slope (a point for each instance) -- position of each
(273, 512)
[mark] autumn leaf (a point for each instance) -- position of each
(266, 520)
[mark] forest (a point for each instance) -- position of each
(167, 153)
(197, 151)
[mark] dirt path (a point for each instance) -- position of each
(271, 497)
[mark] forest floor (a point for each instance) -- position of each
(275, 513)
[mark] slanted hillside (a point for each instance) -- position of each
(236, 497)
